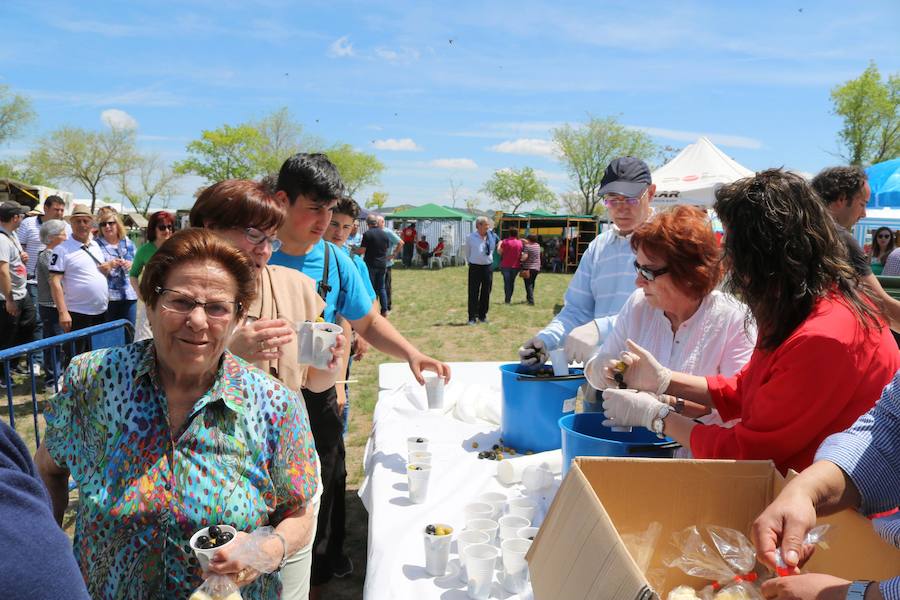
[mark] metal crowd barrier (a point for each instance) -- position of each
(98, 336)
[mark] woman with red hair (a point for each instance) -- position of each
(675, 312)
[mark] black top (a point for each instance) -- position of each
(376, 242)
(38, 562)
(858, 258)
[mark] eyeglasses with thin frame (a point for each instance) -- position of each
(164, 227)
(257, 237)
(610, 200)
(183, 304)
(648, 273)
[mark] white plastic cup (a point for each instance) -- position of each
(437, 552)
(523, 507)
(205, 555)
(527, 533)
(560, 362)
(510, 525)
(465, 539)
(478, 510)
(488, 526)
(414, 445)
(418, 474)
(480, 559)
(420, 456)
(495, 499)
(515, 568)
(315, 341)
(434, 389)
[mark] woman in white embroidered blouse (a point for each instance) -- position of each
(676, 313)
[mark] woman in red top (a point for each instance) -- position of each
(823, 350)
(510, 257)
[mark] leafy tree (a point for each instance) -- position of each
(15, 113)
(587, 149)
(282, 137)
(870, 109)
(229, 152)
(357, 169)
(86, 157)
(512, 188)
(24, 173)
(377, 201)
(151, 179)
(472, 204)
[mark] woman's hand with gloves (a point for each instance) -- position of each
(630, 408)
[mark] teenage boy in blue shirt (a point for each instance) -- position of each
(309, 186)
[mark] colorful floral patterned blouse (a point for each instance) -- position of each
(246, 458)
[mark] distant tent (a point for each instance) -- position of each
(431, 212)
(693, 176)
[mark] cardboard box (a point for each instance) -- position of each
(579, 553)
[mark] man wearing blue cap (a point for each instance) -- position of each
(605, 276)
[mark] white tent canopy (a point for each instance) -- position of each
(693, 176)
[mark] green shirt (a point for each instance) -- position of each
(144, 254)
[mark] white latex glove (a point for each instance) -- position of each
(597, 373)
(533, 352)
(582, 342)
(630, 408)
(644, 372)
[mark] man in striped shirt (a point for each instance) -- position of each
(605, 277)
(858, 468)
(29, 234)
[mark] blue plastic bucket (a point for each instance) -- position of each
(584, 435)
(532, 407)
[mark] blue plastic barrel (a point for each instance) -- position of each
(584, 435)
(532, 407)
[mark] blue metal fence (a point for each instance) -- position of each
(98, 336)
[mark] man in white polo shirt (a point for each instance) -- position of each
(77, 283)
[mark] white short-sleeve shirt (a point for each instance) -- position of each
(84, 286)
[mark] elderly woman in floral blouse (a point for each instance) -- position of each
(166, 436)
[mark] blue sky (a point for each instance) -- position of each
(386, 78)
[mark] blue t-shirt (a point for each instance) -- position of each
(347, 296)
(364, 273)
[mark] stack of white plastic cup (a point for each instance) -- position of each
(465, 539)
(515, 569)
(495, 499)
(437, 552)
(418, 475)
(523, 507)
(510, 525)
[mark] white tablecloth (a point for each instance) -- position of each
(396, 556)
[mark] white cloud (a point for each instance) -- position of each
(453, 163)
(551, 175)
(118, 119)
(402, 55)
(528, 146)
(720, 139)
(341, 47)
(400, 145)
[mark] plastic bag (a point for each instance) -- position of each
(217, 587)
(815, 537)
(249, 551)
(729, 564)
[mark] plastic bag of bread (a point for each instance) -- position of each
(217, 587)
(728, 564)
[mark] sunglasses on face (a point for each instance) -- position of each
(165, 227)
(108, 224)
(884, 236)
(648, 273)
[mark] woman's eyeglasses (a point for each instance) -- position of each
(182, 304)
(108, 224)
(163, 227)
(648, 273)
(884, 236)
(257, 237)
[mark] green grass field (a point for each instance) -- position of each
(430, 310)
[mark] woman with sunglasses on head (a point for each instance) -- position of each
(160, 227)
(882, 246)
(118, 254)
(823, 351)
(676, 313)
